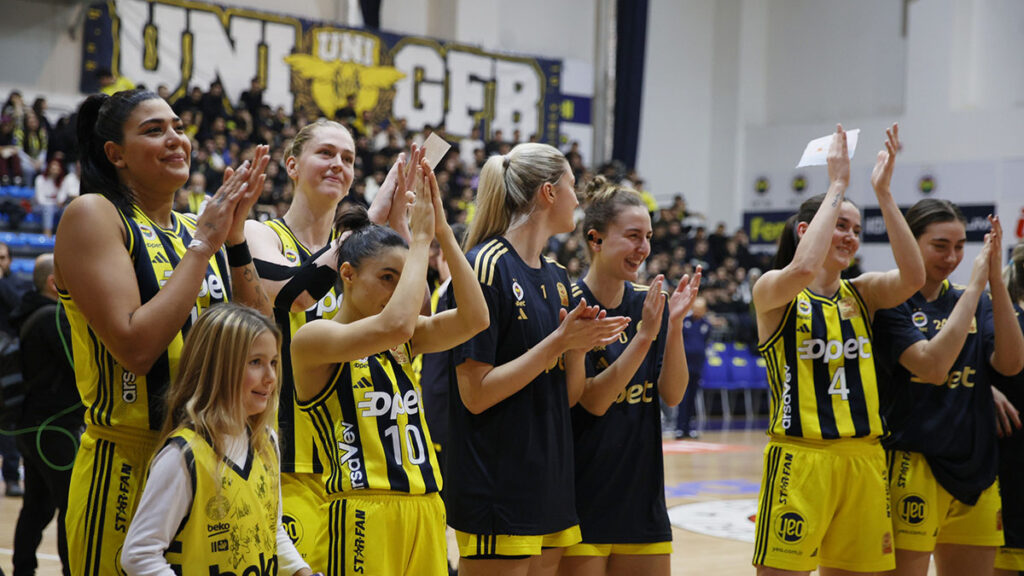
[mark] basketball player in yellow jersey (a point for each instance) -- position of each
(824, 496)
(353, 375)
(133, 276)
(296, 257)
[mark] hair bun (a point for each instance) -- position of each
(597, 185)
(353, 217)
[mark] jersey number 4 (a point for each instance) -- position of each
(838, 385)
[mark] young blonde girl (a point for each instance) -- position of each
(211, 504)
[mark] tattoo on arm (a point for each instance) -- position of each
(251, 278)
(835, 201)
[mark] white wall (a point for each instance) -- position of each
(674, 155)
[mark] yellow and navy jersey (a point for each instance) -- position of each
(298, 447)
(509, 469)
(952, 424)
(620, 473)
(112, 394)
(231, 526)
(821, 368)
(371, 428)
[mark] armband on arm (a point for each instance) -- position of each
(315, 280)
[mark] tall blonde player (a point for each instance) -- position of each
(296, 256)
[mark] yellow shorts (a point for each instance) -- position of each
(382, 533)
(304, 516)
(824, 503)
(925, 514)
(647, 549)
(106, 485)
(497, 546)
(1010, 559)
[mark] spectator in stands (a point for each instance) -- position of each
(51, 193)
(252, 99)
(15, 107)
(109, 84)
(39, 108)
(469, 146)
(10, 161)
(696, 334)
(32, 141)
(49, 392)
(193, 103)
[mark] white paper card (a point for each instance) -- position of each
(816, 153)
(435, 148)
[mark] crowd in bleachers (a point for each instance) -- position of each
(38, 177)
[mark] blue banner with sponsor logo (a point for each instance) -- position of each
(764, 228)
(316, 67)
(873, 225)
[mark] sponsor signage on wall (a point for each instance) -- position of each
(314, 67)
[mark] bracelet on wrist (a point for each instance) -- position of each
(197, 244)
(238, 255)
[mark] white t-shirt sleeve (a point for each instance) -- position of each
(288, 558)
(166, 500)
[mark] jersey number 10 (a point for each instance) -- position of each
(413, 444)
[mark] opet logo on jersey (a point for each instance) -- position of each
(815, 348)
(325, 306)
(380, 403)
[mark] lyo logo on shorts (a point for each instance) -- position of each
(912, 509)
(790, 527)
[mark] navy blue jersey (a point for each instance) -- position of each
(1011, 457)
(952, 425)
(620, 473)
(509, 469)
(696, 332)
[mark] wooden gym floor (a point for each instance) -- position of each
(711, 487)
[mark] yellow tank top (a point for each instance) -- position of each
(298, 449)
(232, 524)
(370, 424)
(112, 394)
(821, 369)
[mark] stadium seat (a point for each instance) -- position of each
(716, 376)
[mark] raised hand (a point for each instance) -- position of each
(995, 265)
(654, 305)
(839, 157)
(586, 327)
(881, 175)
(217, 219)
(380, 208)
(250, 195)
(440, 222)
(421, 218)
(399, 214)
(683, 297)
(982, 262)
